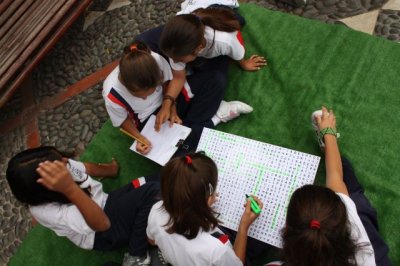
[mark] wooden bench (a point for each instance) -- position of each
(28, 30)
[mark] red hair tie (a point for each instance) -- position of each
(314, 224)
(188, 159)
(133, 47)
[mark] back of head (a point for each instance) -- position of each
(138, 68)
(22, 176)
(184, 33)
(317, 231)
(186, 185)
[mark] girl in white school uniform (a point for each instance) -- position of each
(136, 89)
(190, 38)
(184, 225)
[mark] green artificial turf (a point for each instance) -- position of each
(309, 64)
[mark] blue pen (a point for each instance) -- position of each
(254, 205)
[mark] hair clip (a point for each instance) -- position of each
(314, 224)
(188, 159)
(133, 47)
(211, 189)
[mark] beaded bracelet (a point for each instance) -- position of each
(329, 131)
(168, 97)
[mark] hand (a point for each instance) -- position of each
(174, 118)
(162, 116)
(327, 119)
(145, 147)
(249, 216)
(254, 63)
(56, 177)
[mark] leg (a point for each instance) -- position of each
(151, 37)
(366, 212)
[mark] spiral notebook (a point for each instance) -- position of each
(165, 142)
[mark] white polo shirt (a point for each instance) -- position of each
(218, 43)
(189, 6)
(143, 108)
(176, 249)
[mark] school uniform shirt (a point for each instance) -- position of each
(143, 108)
(204, 249)
(365, 254)
(218, 43)
(65, 219)
(189, 6)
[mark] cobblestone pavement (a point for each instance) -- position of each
(71, 122)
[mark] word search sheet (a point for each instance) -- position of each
(270, 172)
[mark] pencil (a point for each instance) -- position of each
(132, 136)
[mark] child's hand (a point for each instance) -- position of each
(254, 63)
(327, 119)
(249, 216)
(174, 118)
(145, 147)
(55, 176)
(162, 116)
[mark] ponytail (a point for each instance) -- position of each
(218, 19)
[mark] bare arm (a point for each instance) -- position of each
(55, 176)
(333, 162)
(173, 90)
(248, 217)
(102, 169)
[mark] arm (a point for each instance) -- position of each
(102, 169)
(131, 128)
(247, 219)
(173, 90)
(333, 162)
(55, 176)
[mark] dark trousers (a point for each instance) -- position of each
(128, 210)
(366, 212)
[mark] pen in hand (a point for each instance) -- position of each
(254, 205)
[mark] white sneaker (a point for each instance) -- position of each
(135, 260)
(230, 110)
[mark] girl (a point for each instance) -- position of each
(135, 89)
(184, 225)
(64, 198)
(323, 225)
(206, 33)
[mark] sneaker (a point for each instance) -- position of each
(135, 260)
(315, 126)
(157, 258)
(230, 110)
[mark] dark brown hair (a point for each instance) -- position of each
(330, 244)
(184, 33)
(185, 189)
(138, 69)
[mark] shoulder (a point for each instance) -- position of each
(111, 79)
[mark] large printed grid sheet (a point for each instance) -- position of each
(270, 172)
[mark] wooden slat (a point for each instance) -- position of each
(23, 40)
(17, 15)
(8, 7)
(45, 47)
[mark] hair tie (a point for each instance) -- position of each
(188, 159)
(314, 224)
(133, 47)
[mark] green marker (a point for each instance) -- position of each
(253, 204)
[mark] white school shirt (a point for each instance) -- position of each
(189, 6)
(143, 108)
(204, 249)
(365, 254)
(218, 43)
(65, 219)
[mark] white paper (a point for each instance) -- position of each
(163, 142)
(269, 172)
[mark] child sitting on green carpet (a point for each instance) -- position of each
(63, 197)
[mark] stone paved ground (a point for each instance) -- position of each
(73, 121)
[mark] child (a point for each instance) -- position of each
(206, 33)
(184, 225)
(134, 90)
(64, 198)
(323, 225)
